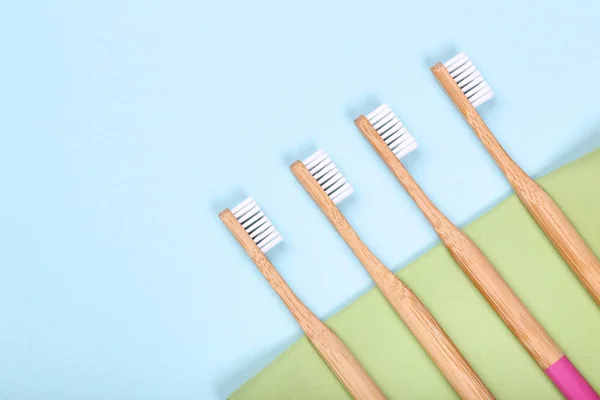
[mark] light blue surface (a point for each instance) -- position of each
(127, 126)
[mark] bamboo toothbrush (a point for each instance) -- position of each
(391, 140)
(327, 187)
(468, 90)
(254, 231)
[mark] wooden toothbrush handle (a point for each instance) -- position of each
(415, 315)
(341, 361)
(331, 348)
(544, 210)
(501, 297)
(432, 337)
(563, 235)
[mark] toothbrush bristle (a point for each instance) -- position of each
(256, 224)
(469, 79)
(328, 176)
(391, 130)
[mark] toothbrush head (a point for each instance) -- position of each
(328, 176)
(392, 131)
(469, 79)
(256, 224)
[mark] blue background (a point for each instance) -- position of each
(127, 126)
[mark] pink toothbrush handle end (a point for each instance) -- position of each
(569, 381)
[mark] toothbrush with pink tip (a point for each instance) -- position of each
(467, 88)
(569, 381)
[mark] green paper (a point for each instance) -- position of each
(525, 258)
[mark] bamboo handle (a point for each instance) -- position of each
(502, 299)
(432, 337)
(331, 348)
(415, 315)
(563, 235)
(472, 261)
(544, 210)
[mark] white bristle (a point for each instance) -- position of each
(328, 176)
(391, 130)
(256, 224)
(469, 79)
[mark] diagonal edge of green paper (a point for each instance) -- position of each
(519, 250)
